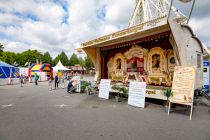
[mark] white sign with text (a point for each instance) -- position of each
(104, 88)
(183, 87)
(137, 93)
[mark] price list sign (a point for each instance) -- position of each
(137, 93)
(104, 88)
(183, 85)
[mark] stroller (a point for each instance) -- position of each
(71, 88)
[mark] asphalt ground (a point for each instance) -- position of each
(36, 113)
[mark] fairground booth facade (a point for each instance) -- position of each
(148, 49)
(43, 70)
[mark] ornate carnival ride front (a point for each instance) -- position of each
(153, 65)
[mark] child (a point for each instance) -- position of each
(36, 79)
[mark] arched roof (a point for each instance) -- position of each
(41, 67)
(194, 36)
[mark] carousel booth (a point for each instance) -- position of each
(146, 52)
(8, 74)
(43, 70)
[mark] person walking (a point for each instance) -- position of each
(63, 81)
(21, 80)
(36, 78)
(56, 81)
(50, 81)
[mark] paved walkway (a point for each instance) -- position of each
(35, 113)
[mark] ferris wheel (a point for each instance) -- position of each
(148, 10)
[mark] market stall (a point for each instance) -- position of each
(60, 67)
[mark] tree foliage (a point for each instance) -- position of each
(88, 63)
(63, 58)
(21, 59)
(1, 48)
(73, 60)
(81, 61)
(30, 56)
(55, 61)
(46, 58)
(8, 57)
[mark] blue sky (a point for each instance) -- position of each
(62, 25)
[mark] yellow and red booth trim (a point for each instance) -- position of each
(40, 68)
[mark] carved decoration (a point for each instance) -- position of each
(116, 67)
(155, 67)
(110, 67)
(157, 62)
(136, 59)
(136, 51)
(171, 60)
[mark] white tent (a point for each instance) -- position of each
(59, 66)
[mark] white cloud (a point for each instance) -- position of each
(15, 46)
(49, 12)
(201, 28)
(7, 19)
(49, 34)
(119, 12)
(87, 19)
(82, 11)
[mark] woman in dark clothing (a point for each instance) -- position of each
(56, 81)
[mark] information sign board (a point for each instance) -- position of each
(183, 86)
(137, 93)
(104, 88)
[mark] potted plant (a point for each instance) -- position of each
(116, 88)
(84, 84)
(168, 93)
(124, 91)
(121, 90)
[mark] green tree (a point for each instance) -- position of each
(1, 49)
(8, 57)
(19, 59)
(81, 61)
(27, 56)
(31, 56)
(88, 63)
(73, 60)
(63, 58)
(46, 58)
(55, 61)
